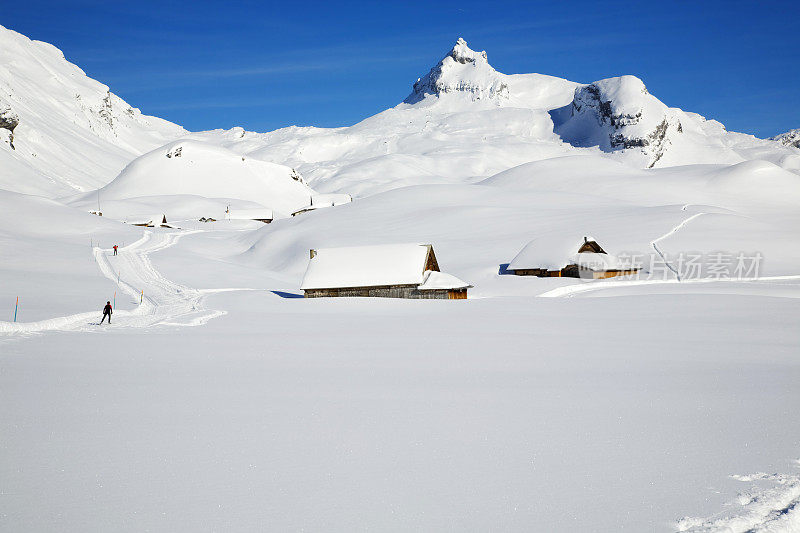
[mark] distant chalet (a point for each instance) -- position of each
(570, 258)
(385, 271)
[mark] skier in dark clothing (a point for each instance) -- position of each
(107, 312)
(115, 249)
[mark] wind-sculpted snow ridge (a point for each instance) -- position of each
(790, 138)
(772, 504)
(162, 302)
(462, 70)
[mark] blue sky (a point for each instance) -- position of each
(264, 65)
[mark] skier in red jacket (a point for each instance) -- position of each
(115, 249)
(107, 312)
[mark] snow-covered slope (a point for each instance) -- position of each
(61, 131)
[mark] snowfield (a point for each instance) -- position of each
(221, 399)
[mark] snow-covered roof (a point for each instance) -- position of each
(441, 280)
(557, 251)
(250, 214)
(367, 266)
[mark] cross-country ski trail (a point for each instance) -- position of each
(163, 302)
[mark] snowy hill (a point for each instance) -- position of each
(61, 131)
(192, 168)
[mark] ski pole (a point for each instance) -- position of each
(141, 298)
(16, 306)
(115, 299)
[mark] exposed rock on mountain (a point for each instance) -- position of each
(8, 121)
(462, 70)
(618, 114)
(790, 138)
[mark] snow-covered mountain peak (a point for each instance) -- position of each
(461, 53)
(618, 114)
(462, 70)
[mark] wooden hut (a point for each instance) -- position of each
(385, 271)
(568, 257)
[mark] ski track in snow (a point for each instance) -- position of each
(163, 302)
(772, 504)
(654, 242)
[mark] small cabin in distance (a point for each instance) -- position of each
(321, 201)
(384, 271)
(150, 221)
(570, 258)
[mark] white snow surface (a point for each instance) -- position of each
(221, 399)
(250, 214)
